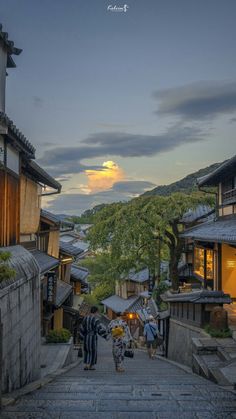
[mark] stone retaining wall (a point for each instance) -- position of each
(180, 341)
(20, 317)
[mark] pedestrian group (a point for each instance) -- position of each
(122, 340)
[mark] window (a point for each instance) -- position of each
(203, 263)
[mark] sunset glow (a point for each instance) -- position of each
(100, 180)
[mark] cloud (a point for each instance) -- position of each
(99, 180)
(201, 100)
(133, 187)
(77, 203)
(67, 160)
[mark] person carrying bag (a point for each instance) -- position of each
(152, 337)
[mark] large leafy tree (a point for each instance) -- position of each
(137, 233)
(101, 275)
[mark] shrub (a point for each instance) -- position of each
(6, 272)
(58, 336)
(214, 333)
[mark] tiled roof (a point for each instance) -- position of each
(25, 145)
(78, 273)
(225, 169)
(63, 292)
(118, 304)
(10, 48)
(45, 262)
(201, 212)
(140, 276)
(201, 296)
(221, 231)
(55, 219)
(69, 249)
(42, 176)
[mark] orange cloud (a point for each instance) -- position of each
(100, 180)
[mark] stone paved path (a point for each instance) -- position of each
(148, 389)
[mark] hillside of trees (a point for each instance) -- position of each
(186, 185)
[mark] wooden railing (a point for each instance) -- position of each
(229, 196)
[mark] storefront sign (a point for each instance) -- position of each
(51, 287)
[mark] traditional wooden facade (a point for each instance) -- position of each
(56, 275)
(214, 253)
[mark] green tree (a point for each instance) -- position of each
(139, 232)
(102, 275)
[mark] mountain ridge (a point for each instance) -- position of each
(185, 185)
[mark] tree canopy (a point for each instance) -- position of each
(139, 232)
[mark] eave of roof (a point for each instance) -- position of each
(63, 292)
(220, 231)
(140, 276)
(198, 297)
(80, 274)
(10, 48)
(213, 178)
(69, 249)
(41, 175)
(21, 140)
(118, 304)
(45, 262)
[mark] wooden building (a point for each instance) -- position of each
(133, 300)
(214, 242)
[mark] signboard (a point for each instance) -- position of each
(51, 287)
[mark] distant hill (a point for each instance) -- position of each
(185, 185)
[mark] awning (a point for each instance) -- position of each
(63, 292)
(118, 304)
(79, 274)
(69, 249)
(220, 231)
(45, 262)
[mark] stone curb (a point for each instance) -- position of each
(12, 397)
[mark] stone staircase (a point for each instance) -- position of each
(215, 359)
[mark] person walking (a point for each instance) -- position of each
(151, 333)
(90, 328)
(121, 336)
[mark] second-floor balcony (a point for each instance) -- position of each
(229, 197)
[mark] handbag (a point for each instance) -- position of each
(158, 338)
(129, 353)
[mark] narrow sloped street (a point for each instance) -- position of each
(148, 389)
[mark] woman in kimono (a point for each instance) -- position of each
(90, 328)
(121, 336)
